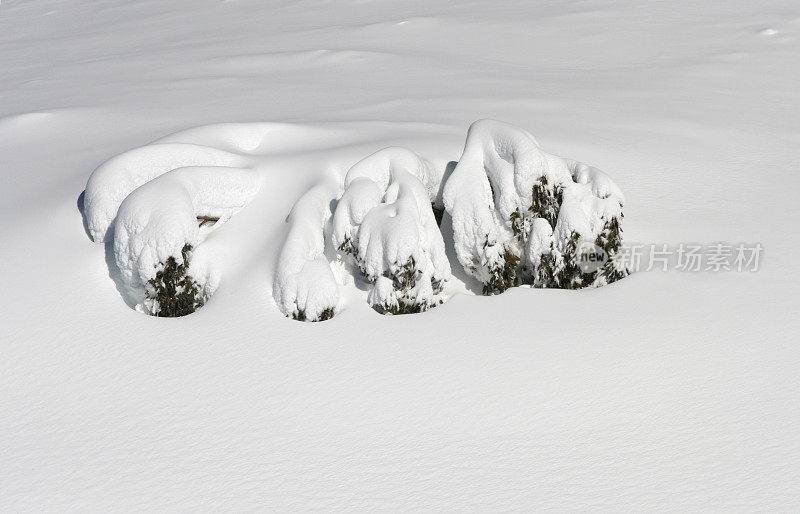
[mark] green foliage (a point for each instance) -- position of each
(612, 272)
(560, 266)
(546, 269)
(405, 278)
(403, 307)
(569, 274)
(325, 315)
(610, 240)
(347, 246)
(404, 283)
(503, 275)
(518, 224)
(546, 201)
(173, 292)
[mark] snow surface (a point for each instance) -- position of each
(665, 391)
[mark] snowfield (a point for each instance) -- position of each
(666, 391)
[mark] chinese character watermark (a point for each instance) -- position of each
(715, 257)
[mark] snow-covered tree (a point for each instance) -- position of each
(156, 230)
(385, 224)
(173, 292)
(523, 216)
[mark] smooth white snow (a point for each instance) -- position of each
(662, 392)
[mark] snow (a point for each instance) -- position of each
(113, 181)
(584, 213)
(382, 219)
(383, 166)
(662, 392)
(495, 172)
(304, 282)
(540, 241)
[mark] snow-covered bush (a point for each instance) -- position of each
(304, 286)
(519, 216)
(523, 216)
(173, 292)
(115, 179)
(385, 223)
(156, 228)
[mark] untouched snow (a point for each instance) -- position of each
(664, 391)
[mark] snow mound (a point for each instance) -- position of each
(304, 286)
(114, 180)
(504, 191)
(384, 221)
(380, 167)
(159, 219)
(256, 139)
